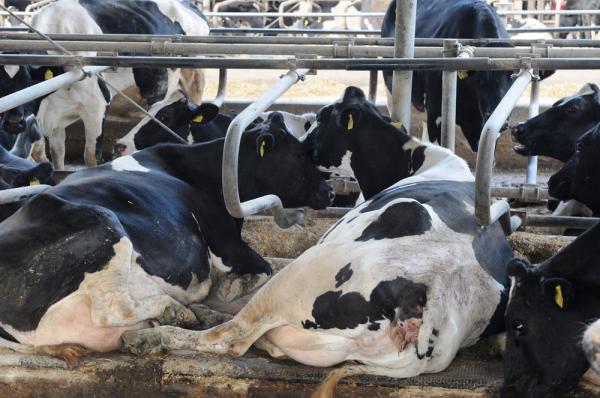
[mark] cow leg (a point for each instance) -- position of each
(38, 151)
(207, 317)
(193, 82)
(57, 148)
(92, 120)
(70, 353)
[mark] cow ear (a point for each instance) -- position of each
(519, 268)
(353, 92)
(264, 143)
(350, 119)
(558, 291)
(596, 91)
(205, 113)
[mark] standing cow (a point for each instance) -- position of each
(399, 284)
(479, 92)
(116, 247)
(88, 99)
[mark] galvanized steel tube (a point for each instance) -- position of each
(534, 110)
(38, 90)
(404, 47)
(485, 213)
(231, 152)
(18, 194)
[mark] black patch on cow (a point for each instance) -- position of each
(136, 17)
(4, 335)
(343, 275)
(307, 126)
(352, 219)
(398, 220)
(496, 324)
(418, 158)
(449, 200)
(335, 310)
(104, 90)
(46, 249)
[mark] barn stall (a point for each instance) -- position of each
(476, 372)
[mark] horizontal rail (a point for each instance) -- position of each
(559, 221)
(14, 195)
(379, 41)
(334, 50)
(293, 63)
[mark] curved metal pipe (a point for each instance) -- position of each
(17, 194)
(222, 88)
(284, 218)
(484, 215)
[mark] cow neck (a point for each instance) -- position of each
(198, 164)
(379, 158)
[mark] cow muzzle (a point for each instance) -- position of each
(120, 149)
(14, 125)
(591, 347)
(518, 134)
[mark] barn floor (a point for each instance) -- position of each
(475, 373)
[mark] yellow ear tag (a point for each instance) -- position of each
(462, 74)
(306, 22)
(33, 182)
(350, 122)
(398, 125)
(48, 75)
(263, 148)
(198, 119)
(558, 297)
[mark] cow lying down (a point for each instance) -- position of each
(117, 247)
(548, 310)
(399, 284)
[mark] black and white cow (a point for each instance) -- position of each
(20, 144)
(579, 178)
(112, 248)
(548, 309)
(400, 283)
(479, 92)
(579, 20)
(88, 99)
(591, 346)
(17, 172)
(555, 132)
(186, 119)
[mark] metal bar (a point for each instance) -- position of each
(534, 110)
(379, 41)
(230, 158)
(406, 16)
(449, 91)
(294, 63)
(221, 89)
(38, 90)
(560, 221)
(485, 212)
(373, 75)
(526, 193)
(18, 194)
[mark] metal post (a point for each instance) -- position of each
(231, 149)
(534, 110)
(449, 90)
(373, 85)
(485, 212)
(18, 194)
(39, 90)
(406, 16)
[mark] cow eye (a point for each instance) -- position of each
(519, 328)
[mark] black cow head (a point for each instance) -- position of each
(554, 132)
(273, 161)
(15, 177)
(179, 116)
(15, 78)
(548, 310)
(355, 126)
(579, 178)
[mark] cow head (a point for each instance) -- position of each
(354, 126)
(16, 177)
(179, 116)
(272, 161)
(548, 310)
(545, 320)
(579, 178)
(553, 133)
(12, 79)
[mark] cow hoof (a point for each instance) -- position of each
(178, 315)
(234, 286)
(208, 318)
(70, 353)
(143, 342)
